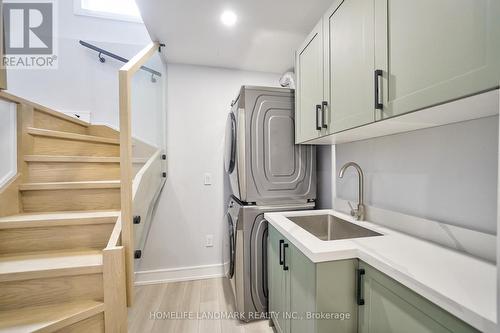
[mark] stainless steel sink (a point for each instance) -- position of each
(329, 227)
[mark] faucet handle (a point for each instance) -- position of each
(353, 211)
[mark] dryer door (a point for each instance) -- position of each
(230, 150)
(231, 154)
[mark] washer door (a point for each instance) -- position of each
(230, 150)
(229, 248)
(258, 263)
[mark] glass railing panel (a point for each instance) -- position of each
(148, 118)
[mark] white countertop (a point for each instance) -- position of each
(462, 285)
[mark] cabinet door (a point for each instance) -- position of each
(336, 293)
(392, 308)
(302, 291)
(435, 51)
(309, 93)
(350, 64)
(285, 289)
(276, 279)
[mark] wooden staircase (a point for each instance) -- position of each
(61, 263)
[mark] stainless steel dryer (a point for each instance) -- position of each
(265, 166)
(245, 254)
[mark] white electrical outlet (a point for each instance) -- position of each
(207, 179)
(209, 240)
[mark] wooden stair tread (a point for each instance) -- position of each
(70, 159)
(99, 184)
(43, 264)
(79, 159)
(71, 136)
(53, 219)
(48, 318)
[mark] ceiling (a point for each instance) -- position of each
(264, 38)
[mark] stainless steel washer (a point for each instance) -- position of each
(247, 235)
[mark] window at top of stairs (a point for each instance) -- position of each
(123, 10)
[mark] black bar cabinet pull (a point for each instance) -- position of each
(318, 115)
(360, 272)
(281, 251)
(323, 114)
(285, 267)
(378, 76)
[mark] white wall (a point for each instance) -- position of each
(198, 104)
(446, 174)
(81, 82)
(325, 176)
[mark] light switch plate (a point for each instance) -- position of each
(207, 179)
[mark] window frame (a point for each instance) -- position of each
(79, 10)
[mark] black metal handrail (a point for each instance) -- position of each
(115, 56)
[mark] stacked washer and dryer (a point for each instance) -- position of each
(267, 173)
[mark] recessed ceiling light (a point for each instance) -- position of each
(228, 18)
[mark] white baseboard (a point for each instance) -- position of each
(179, 274)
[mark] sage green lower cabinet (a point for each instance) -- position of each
(302, 291)
(278, 281)
(305, 297)
(308, 297)
(392, 308)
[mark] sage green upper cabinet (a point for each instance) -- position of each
(389, 307)
(435, 51)
(349, 64)
(309, 92)
(385, 58)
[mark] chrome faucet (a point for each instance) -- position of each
(359, 212)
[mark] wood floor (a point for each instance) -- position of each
(198, 299)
